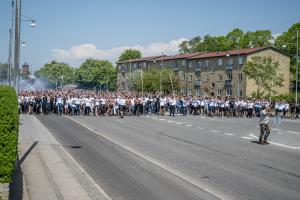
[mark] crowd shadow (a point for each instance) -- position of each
(16, 186)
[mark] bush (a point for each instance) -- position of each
(9, 127)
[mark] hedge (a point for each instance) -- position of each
(9, 127)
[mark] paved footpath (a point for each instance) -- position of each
(47, 169)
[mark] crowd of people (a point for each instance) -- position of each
(88, 102)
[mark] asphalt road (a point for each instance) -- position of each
(162, 157)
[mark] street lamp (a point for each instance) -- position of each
(238, 68)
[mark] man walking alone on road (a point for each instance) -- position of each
(264, 125)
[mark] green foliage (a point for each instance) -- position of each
(96, 73)
(151, 81)
(54, 71)
(265, 73)
(9, 127)
(233, 40)
(287, 97)
(287, 42)
(130, 54)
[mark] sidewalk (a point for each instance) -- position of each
(46, 170)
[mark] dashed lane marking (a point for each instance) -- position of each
(179, 123)
(229, 134)
(200, 128)
(170, 121)
(294, 132)
(247, 138)
(277, 144)
(188, 125)
(214, 131)
(162, 119)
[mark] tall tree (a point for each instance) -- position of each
(265, 73)
(96, 73)
(56, 73)
(287, 42)
(151, 81)
(130, 54)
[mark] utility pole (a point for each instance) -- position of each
(130, 74)
(297, 63)
(9, 58)
(17, 45)
(238, 69)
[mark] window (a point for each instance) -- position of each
(241, 60)
(219, 92)
(182, 90)
(183, 62)
(240, 76)
(199, 64)
(241, 92)
(205, 94)
(190, 64)
(145, 64)
(220, 62)
(189, 91)
(220, 77)
(197, 91)
(206, 77)
(229, 76)
(206, 63)
(198, 78)
(212, 84)
(174, 64)
(230, 61)
(212, 69)
(134, 66)
(183, 77)
(190, 77)
(229, 92)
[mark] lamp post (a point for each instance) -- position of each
(297, 63)
(130, 74)
(162, 65)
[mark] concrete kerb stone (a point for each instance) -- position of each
(4, 190)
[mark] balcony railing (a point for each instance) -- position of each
(197, 83)
(197, 69)
(175, 68)
(228, 83)
(229, 67)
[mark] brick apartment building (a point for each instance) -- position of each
(208, 73)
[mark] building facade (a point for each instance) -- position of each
(209, 73)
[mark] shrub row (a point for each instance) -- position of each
(9, 127)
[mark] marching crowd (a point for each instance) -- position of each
(88, 102)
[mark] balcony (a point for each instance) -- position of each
(229, 67)
(197, 69)
(122, 70)
(175, 69)
(228, 83)
(197, 83)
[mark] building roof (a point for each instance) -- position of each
(235, 52)
(150, 58)
(179, 56)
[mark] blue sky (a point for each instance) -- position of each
(73, 30)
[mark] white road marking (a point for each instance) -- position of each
(200, 128)
(188, 125)
(162, 119)
(170, 121)
(278, 144)
(163, 166)
(275, 129)
(294, 132)
(230, 134)
(247, 138)
(178, 123)
(214, 131)
(154, 117)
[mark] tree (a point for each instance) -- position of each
(130, 54)
(234, 39)
(96, 73)
(56, 73)
(265, 73)
(287, 43)
(151, 81)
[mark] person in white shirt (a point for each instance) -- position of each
(163, 103)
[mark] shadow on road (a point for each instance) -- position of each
(16, 186)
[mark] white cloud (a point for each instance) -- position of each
(78, 53)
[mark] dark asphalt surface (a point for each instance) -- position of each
(191, 152)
